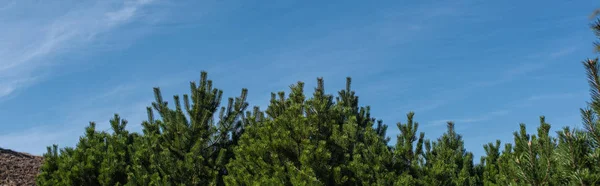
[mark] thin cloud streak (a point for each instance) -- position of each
(30, 44)
(518, 104)
(507, 76)
(34, 140)
(80, 111)
(485, 117)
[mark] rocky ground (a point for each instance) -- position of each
(18, 168)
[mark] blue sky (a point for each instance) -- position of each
(487, 65)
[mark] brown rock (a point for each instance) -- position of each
(18, 168)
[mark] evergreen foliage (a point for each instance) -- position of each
(315, 141)
(318, 140)
(447, 162)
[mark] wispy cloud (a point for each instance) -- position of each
(563, 52)
(534, 63)
(528, 101)
(479, 118)
(34, 140)
(129, 100)
(350, 49)
(554, 96)
(27, 44)
(7, 88)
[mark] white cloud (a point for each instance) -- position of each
(99, 108)
(517, 104)
(480, 118)
(125, 13)
(508, 75)
(6, 90)
(554, 96)
(35, 140)
(563, 52)
(529, 101)
(28, 43)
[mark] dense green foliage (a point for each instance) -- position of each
(318, 140)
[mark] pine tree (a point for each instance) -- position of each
(574, 164)
(173, 150)
(190, 151)
(317, 141)
(48, 174)
(116, 160)
(447, 162)
(507, 167)
(276, 150)
(79, 166)
(491, 167)
(408, 156)
(591, 126)
(534, 161)
(596, 27)
(585, 144)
